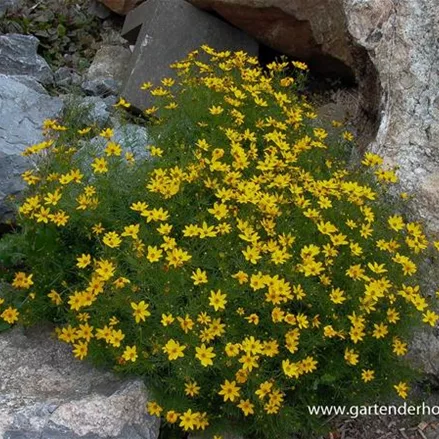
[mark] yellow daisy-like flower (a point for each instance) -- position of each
(140, 311)
(199, 277)
(229, 390)
(130, 354)
(402, 389)
(217, 300)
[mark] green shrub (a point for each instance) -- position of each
(247, 269)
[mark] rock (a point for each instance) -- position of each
(109, 62)
(66, 77)
(133, 23)
(92, 110)
(23, 110)
(133, 138)
(46, 393)
(96, 109)
(99, 10)
(402, 43)
(311, 30)
(18, 56)
(121, 7)
(8, 5)
(424, 352)
(171, 29)
(101, 87)
(107, 71)
(30, 82)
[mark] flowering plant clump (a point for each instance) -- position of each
(244, 268)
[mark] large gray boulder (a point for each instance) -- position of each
(18, 56)
(47, 394)
(402, 41)
(24, 106)
(171, 29)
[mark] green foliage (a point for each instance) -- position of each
(246, 270)
(68, 34)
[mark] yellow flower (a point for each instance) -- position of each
(52, 198)
(186, 323)
(10, 315)
(112, 239)
(120, 282)
(430, 318)
(191, 389)
(241, 277)
(367, 375)
(177, 257)
(84, 131)
(246, 406)
(22, 281)
(229, 390)
(401, 389)
(154, 409)
(155, 151)
(167, 319)
(188, 420)
(85, 331)
(105, 269)
(140, 311)
(122, 103)
(154, 254)
(199, 277)
(347, 136)
(55, 297)
(172, 416)
(380, 330)
(205, 355)
(251, 254)
(396, 223)
(130, 354)
(371, 159)
(80, 350)
(173, 349)
(100, 166)
(337, 296)
(217, 300)
(351, 357)
(399, 347)
(377, 268)
(83, 261)
(300, 65)
(215, 110)
(264, 389)
(291, 370)
(146, 86)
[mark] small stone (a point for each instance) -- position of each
(18, 56)
(121, 7)
(66, 77)
(109, 62)
(8, 6)
(96, 110)
(101, 87)
(99, 10)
